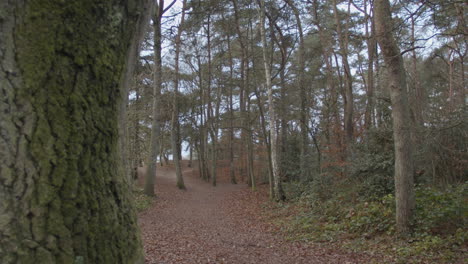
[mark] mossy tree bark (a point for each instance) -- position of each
(63, 194)
(404, 189)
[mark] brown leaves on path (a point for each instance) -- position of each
(222, 224)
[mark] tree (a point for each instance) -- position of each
(64, 196)
(155, 147)
(175, 131)
(302, 90)
(278, 191)
(404, 189)
(343, 37)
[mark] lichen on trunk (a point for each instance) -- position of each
(64, 198)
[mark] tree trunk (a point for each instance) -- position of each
(267, 143)
(418, 99)
(278, 191)
(303, 121)
(248, 127)
(370, 36)
(404, 189)
(175, 112)
(135, 147)
(64, 196)
(203, 125)
(157, 86)
(232, 173)
(348, 79)
(243, 90)
(332, 115)
(250, 164)
(190, 155)
(126, 81)
(283, 123)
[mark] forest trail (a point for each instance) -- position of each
(206, 224)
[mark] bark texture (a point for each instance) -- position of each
(127, 80)
(63, 194)
(278, 193)
(175, 131)
(348, 78)
(404, 189)
(155, 145)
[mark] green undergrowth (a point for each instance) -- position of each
(439, 234)
(141, 200)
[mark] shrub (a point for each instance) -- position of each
(373, 167)
(372, 217)
(441, 211)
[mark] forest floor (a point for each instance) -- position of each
(222, 224)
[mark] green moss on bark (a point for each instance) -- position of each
(71, 56)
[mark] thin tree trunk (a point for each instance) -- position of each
(404, 189)
(127, 81)
(161, 158)
(175, 112)
(136, 155)
(348, 79)
(267, 142)
(282, 45)
(211, 123)
(157, 85)
(378, 86)
(284, 127)
(278, 190)
(243, 89)
(250, 164)
(190, 155)
(303, 121)
(418, 101)
(203, 130)
(232, 173)
(371, 43)
(248, 120)
(334, 130)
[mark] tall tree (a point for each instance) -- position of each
(303, 120)
(243, 94)
(211, 116)
(332, 120)
(155, 147)
(232, 172)
(278, 190)
(175, 131)
(404, 189)
(343, 36)
(371, 45)
(64, 196)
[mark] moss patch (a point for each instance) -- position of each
(71, 55)
(141, 200)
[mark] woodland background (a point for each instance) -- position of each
(331, 103)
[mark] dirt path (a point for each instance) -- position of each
(218, 225)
